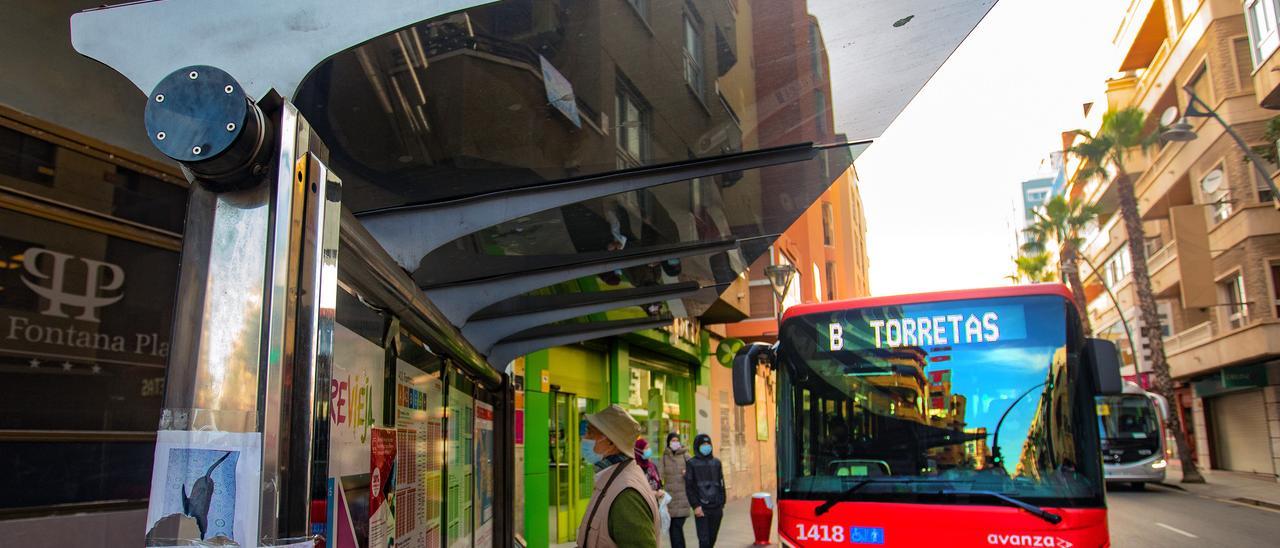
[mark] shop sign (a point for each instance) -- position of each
(685, 329)
(1244, 376)
(1231, 379)
(63, 313)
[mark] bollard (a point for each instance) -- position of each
(762, 517)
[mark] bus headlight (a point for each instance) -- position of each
(1159, 465)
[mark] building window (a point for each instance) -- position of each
(828, 221)
(1231, 292)
(1244, 63)
(1217, 194)
(1275, 287)
(817, 283)
(1265, 195)
(820, 111)
(1201, 85)
(815, 49)
(1117, 266)
(641, 7)
(693, 54)
(1262, 28)
(632, 114)
(831, 281)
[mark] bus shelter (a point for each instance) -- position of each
(393, 200)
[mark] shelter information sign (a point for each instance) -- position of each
(419, 417)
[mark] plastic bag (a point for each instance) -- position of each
(664, 516)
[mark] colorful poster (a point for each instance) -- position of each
(205, 486)
(419, 414)
(484, 473)
(382, 488)
(355, 407)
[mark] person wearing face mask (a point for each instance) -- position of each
(704, 486)
(642, 455)
(622, 512)
(672, 469)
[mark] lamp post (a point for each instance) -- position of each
(780, 278)
(1182, 131)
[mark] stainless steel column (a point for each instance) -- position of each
(253, 331)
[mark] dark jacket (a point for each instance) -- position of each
(672, 467)
(704, 478)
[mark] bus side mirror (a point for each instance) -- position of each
(745, 363)
(1105, 359)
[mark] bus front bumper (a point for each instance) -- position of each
(1150, 470)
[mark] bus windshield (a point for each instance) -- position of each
(931, 402)
(1128, 417)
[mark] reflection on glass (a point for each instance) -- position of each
(972, 395)
(519, 92)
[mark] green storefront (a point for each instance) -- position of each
(653, 374)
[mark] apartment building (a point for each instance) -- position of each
(1212, 231)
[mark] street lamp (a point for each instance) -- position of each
(1182, 131)
(780, 277)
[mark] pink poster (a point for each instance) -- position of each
(382, 485)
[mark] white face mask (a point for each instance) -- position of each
(674, 445)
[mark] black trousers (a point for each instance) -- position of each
(677, 532)
(708, 526)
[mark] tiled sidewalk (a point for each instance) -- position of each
(735, 530)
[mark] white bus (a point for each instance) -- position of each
(1131, 426)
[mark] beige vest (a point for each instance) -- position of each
(594, 530)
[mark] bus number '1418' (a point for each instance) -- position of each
(823, 533)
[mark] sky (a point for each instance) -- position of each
(940, 185)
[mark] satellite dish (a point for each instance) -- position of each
(1169, 116)
(1212, 182)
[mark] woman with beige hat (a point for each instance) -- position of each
(622, 512)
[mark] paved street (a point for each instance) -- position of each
(1166, 518)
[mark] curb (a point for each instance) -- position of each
(1256, 502)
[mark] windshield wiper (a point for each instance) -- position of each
(841, 497)
(1030, 508)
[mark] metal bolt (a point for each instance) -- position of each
(193, 75)
(231, 126)
(196, 150)
(160, 136)
(228, 89)
(160, 98)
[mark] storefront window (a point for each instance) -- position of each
(655, 401)
(36, 166)
(84, 318)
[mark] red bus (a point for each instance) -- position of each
(966, 417)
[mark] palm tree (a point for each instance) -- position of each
(1063, 221)
(1122, 132)
(1032, 268)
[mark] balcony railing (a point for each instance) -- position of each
(1189, 337)
(1162, 257)
(1153, 70)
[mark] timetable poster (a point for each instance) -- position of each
(382, 485)
(419, 414)
(484, 472)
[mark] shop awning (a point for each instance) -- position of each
(549, 171)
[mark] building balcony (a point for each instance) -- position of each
(1164, 270)
(1188, 338)
(1141, 32)
(1198, 350)
(1248, 221)
(1266, 80)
